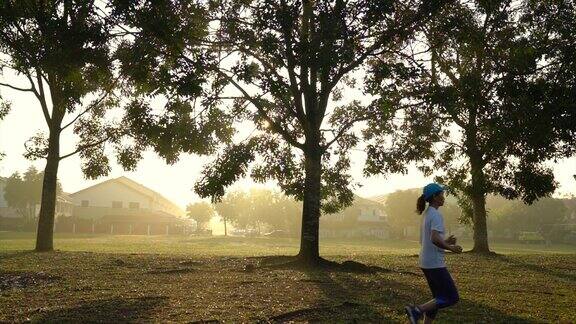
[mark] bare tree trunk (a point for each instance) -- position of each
(45, 233)
(480, 227)
(309, 242)
(478, 197)
(225, 229)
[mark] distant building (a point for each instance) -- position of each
(123, 206)
(115, 206)
(64, 205)
(365, 218)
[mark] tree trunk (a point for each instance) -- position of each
(45, 233)
(478, 197)
(225, 229)
(309, 242)
(480, 228)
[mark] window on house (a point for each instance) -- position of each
(116, 204)
(134, 205)
(84, 203)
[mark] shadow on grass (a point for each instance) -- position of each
(374, 297)
(114, 310)
(283, 262)
(537, 268)
(342, 305)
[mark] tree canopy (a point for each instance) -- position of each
(279, 67)
(478, 80)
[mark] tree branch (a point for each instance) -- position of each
(275, 126)
(405, 28)
(42, 97)
(92, 105)
(296, 112)
(291, 66)
(32, 84)
(84, 147)
(16, 88)
(343, 130)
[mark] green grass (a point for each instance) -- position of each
(238, 246)
(182, 279)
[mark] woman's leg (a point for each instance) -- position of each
(429, 310)
(443, 290)
(448, 294)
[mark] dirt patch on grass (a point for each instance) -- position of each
(15, 280)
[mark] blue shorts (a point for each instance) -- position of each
(442, 287)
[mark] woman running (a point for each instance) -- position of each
(432, 256)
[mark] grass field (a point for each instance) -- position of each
(183, 279)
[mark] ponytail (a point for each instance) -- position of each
(420, 204)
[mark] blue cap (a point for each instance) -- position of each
(431, 189)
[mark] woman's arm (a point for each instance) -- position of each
(439, 242)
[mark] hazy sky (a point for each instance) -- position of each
(176, 181)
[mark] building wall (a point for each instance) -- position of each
(63, 209)
(371, 214)
(95, 213)
(103, 195)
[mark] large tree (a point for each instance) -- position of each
(280, 67)
(476, 117)
(62, 50)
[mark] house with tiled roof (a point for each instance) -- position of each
(365, 218)
(124, 206)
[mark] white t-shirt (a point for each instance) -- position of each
(431, 256)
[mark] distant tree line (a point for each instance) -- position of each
(547, 216)
(259, 210)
